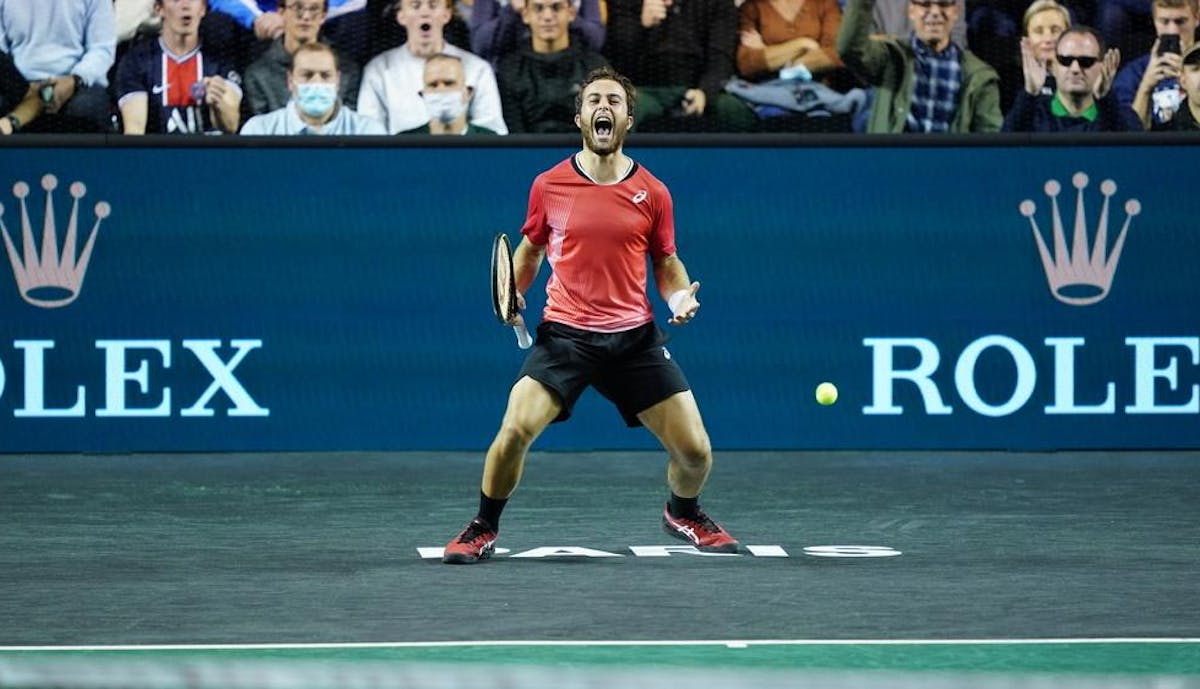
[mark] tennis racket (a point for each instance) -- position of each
(504, 290)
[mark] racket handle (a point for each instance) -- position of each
(524, 340)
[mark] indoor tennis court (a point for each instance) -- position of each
(954, 569)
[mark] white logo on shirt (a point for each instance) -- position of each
(666, 353)
(640, 196)
(156, 89)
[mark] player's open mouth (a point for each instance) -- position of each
(603, 125)
(425, 27)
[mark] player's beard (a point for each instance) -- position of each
(610, 145)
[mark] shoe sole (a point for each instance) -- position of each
(724, 548)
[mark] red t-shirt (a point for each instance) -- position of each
(597, 237)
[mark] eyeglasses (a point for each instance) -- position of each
(1085, 61)
(306, 10)
(940, 4)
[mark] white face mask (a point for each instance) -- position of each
(444, 106)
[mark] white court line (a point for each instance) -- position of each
(733, 643)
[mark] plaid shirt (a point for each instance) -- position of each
(935, 89)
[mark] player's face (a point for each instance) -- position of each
(423, 19)
(1075, 79)
(1044, 29)
(181, 16)
(302, 19)
(604, 116)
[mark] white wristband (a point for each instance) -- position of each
(676, 299)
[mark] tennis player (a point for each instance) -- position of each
(596, 216)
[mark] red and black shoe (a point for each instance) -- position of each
(476, 542)
(701, 531)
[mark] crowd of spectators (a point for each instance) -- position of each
(494, 67)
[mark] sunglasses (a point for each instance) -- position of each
(1085, 61)
(926, 4)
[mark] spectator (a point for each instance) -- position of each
(498, 27)
(238, 23)
(447, 99)
(191, 93)
(66, 47)
(392, 81)
(1082, 100)
(20, 103)
(266, 82)
(924, 83)
(1150, 84)
(315, 107)
(1188, 117)
(891, 19)
(1044, 22)
(538, 81)
(792, 33)
(680, 53)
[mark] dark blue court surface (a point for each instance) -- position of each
(262, 548)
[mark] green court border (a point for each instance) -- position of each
(1080, 656)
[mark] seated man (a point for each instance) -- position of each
(314, 107)
(20, 103)
(266, 80)
(680, 53)
(169, 86)
(925, 83)
(244, 26)
(1188, 117)
(1150, 83)
(66, 47)
(536, 81)
(447, 99)
(498, 27)
(391, 85)
(1082, 100)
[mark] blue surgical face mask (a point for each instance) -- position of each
(316, 100)
(444, 106)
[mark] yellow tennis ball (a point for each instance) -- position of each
(826, 393)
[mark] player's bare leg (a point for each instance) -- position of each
(677, 424)
(531, 407)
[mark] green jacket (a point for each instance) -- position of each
(888, 64)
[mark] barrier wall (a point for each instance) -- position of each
(336, 298)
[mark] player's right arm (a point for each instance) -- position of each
(527, 260)
(134, 109)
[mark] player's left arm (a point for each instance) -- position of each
(676, 288)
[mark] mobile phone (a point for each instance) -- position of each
(46, 91)
(1169, 43)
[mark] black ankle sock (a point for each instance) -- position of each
(490, 509)
(683, 507)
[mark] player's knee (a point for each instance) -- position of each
(694, 455)
(516, 436)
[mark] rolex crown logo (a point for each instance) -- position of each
(51, 277)
(1081, 275)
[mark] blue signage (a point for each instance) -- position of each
(309, 298)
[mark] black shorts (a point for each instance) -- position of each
(632, 369)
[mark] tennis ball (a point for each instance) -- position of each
(826, 393)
